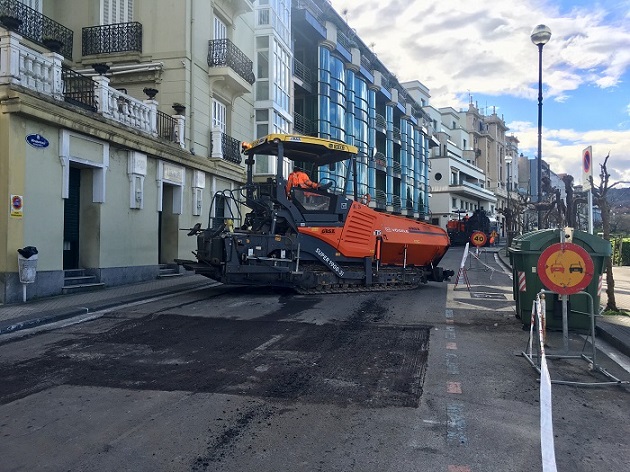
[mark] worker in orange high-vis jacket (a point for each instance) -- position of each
(299, 178)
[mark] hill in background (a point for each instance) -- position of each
(619, 198)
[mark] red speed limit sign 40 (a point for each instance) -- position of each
(478, 238)
(565, 268)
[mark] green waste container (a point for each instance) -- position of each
(524, 254)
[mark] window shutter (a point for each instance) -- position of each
(34, 4)
(116, 11)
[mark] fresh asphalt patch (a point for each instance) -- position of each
(354, 363)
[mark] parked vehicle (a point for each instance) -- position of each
(461, 229)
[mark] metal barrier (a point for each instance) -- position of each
(537, 332)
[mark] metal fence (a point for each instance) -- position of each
(40, 29)
(107, 39)
(223, 52)
(78, 89)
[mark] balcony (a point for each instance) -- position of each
(225, 147)
(380, 161)
(396, 135)
(46, 75)
(381, 124)
(78, 89)
(304, 74)
(228, 62)
(110, 39)
(380, 199)
(303, 125)
(396, 168)
(34, 26)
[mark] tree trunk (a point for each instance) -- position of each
(611, 305)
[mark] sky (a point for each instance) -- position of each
(461, 49)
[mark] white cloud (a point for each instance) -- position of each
(459, 47)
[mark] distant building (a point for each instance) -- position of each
(457, 182)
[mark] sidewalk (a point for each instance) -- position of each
(615, 329)
(15, 317)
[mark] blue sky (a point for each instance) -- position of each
(462, 49)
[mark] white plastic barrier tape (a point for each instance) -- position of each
(476, 256)
(547, 447)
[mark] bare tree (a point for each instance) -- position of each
(600, 198)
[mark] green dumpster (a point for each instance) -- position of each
(524, 254)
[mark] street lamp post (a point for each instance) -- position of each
(540, 36)
(510, 222)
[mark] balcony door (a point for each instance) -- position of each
(220, 29)
(34, 4)
(116, 11)
(219, 115)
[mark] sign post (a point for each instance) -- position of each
(566, 269)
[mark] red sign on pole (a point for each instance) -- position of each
(565, 268)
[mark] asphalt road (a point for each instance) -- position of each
(242, 379)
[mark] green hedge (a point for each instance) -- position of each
(620, 257)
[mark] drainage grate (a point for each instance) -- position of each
(488, 296)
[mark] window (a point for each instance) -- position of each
(219, 211)
(116, 11)
(282, 69)
(220, 29)
(438, 176)
(454, 202)
(219, 115)
(34, 4)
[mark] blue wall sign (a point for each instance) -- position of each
(37, 140)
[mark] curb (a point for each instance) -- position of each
(613, 340)
(46, 319)
(62, 314)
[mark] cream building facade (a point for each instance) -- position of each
(119, 121)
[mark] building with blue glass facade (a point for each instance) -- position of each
(342, 91)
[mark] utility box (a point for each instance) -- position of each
(524, 254)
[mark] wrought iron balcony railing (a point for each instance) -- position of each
(36, 27)
(78, 89)
(108, 39)
(231, 148)
(167, 127)
(223, 53)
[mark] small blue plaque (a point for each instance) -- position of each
(37, 140)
